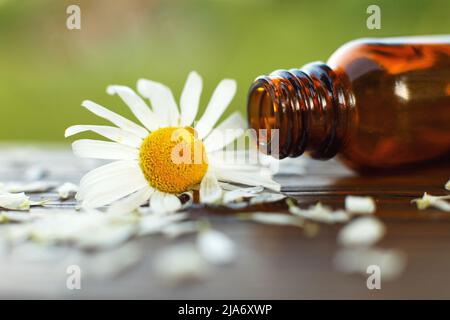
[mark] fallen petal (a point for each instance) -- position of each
(390, 262)
(14, 201)
(364, 231)
(216, 247)
(362, 205)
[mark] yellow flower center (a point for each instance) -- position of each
(173, 159)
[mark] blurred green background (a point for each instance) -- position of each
(46, 70)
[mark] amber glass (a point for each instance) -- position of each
(377, 103)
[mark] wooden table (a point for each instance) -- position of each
(272, 262)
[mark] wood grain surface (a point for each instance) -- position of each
(272, 262)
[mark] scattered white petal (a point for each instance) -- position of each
(242, 193)
(31, 187)
(236, 205)
(447, 185)
(428, 200)
(14, 201)
(362, 205)
(156, 223)
(84, 229)
(391, 262)
(273, 218)
(106, 236)
(267, 197)
(216, 247)
(210, 190)
(364, 231)
(319, 213)
(15, 216)
(179, 264)
(176, 230)
(67, 190)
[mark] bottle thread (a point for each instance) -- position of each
(310, 107)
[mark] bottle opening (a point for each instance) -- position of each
(262, 115)
(299, 110)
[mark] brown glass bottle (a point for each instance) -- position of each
(378, 103)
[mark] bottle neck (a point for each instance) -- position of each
(300, 110)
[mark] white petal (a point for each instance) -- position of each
(132, 202)
(364, 205)
(274, 218)
(210, 190)
(391, 262)
(428, 200)
(97, 149)
(250, 179)
(364, 231)
(447, 185)
(15, 216)
(112, 133)
(105, 237)
(106, 171)
(190, 98)
(441, 205)
(162, 101)
(66, 190)
(14, 201)
(113, 117)
(30, 187)
(226, 132)
(94, 182)
(216, 247)
(267, 198)
(241, 193)
(162, 202)
(176, 230)
(157, 222)
(137, 106)
(113, 188)
(179, 264)
(319, 213)
(220, 100)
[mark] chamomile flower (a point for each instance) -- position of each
(166, 154)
